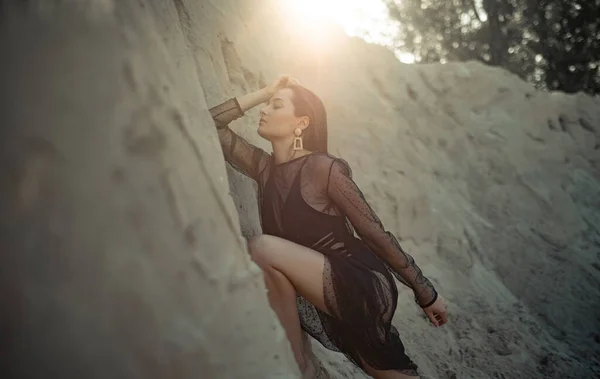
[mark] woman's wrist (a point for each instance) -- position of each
(265, 93)
(252, 99)
(435, 296)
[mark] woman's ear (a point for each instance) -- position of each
(304, 122)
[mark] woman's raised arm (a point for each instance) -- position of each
(250, 160)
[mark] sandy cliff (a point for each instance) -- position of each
(125, 252)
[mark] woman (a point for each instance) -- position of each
(319, 276)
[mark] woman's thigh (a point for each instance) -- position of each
(302, 266)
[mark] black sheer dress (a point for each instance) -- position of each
(313, 201)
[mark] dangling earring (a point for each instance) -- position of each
(298, 139)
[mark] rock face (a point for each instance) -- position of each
(124, 254)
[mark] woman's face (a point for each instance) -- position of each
(277, 117)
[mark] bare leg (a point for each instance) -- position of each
(282, 297)
(291, 268)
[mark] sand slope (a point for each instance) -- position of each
(126, 253)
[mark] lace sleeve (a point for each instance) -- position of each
(243, 156)
(346, 195)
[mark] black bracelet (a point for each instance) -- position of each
(432, 301)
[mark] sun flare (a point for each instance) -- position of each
(312, 18)
(367, 19)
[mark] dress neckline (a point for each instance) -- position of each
(290, 161)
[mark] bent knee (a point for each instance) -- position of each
(260, 248)
(257, 243)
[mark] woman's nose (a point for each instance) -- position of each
(262, 112)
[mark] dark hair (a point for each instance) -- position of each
(306, 103)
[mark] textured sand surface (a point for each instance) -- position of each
(125, 256)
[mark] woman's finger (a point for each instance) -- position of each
(432, 318)
(444, 317)
(441, 320)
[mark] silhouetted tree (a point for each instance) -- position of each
(566, 40)
(554, 44)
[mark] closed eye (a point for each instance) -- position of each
(276, 101)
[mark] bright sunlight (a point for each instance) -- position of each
(367, 19)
